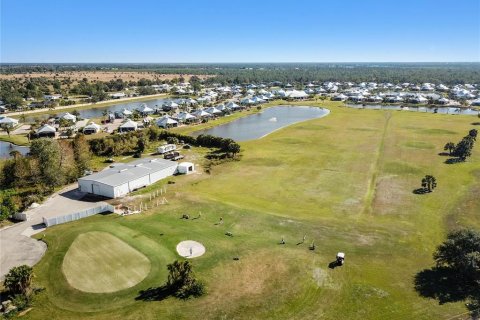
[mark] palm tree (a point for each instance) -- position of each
(7, 129)
(429, 183)
(104, 114)
(450, 146)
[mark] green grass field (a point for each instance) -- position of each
(99, 262)
(345, 181)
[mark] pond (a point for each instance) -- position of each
(97, 112)
(442, 110)
(7, 147)
(261, 124)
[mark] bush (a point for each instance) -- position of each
(21, 301)
(19, 280)
(172, 140)
(181, 281)
(194, 289)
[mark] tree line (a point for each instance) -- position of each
(463, 149)
(448, 73)
(14, 92)
(50, 164)
(136, 142)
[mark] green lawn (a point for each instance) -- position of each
(345, 181)
(20, 140)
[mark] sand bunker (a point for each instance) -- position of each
(190, 249)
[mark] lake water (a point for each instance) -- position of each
(97, 112)
(260, 124)
(7, 147)
(441, 110)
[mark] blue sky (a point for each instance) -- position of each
(239, 31)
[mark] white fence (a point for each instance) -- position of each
(78, 215)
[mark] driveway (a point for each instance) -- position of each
(16, 246)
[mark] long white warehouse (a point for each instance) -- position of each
(122, 178)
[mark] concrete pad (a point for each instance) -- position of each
(16, 246)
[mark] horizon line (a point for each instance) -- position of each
(240, 62)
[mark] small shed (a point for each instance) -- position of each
(185, 168)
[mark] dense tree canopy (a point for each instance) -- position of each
(461, 251)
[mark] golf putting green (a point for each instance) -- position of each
(99, 262)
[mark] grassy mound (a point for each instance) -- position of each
(99, 262)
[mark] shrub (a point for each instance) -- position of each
(172, 140)
(194, 289)
(181, 280)
(21, 301)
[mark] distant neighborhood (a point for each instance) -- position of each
(190, 104)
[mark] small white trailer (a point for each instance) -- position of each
(166, 148)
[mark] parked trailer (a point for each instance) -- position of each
(166, 148)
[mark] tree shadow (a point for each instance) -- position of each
(421, 191)
(444, 285)
(453, 160)
(154, 294)
(444, 154)
(475, 123)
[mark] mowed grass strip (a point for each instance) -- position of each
(99, 262)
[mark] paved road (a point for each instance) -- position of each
(16, 246)
(82, 105)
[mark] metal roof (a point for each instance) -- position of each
(121, 173)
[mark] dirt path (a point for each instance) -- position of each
(372, 184)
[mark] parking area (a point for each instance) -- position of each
(16, 245)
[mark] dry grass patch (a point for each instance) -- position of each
(247, 278)
(77, 76)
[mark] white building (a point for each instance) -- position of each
(201, 114)
(45, 131)
(52, 96)
(69, 117)
(186, 117)
(144, 109)
(186, 168)
(91, 128)
(166, 122)
(8, 122)
(129, 125)
(118, 95)
(121, 178)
